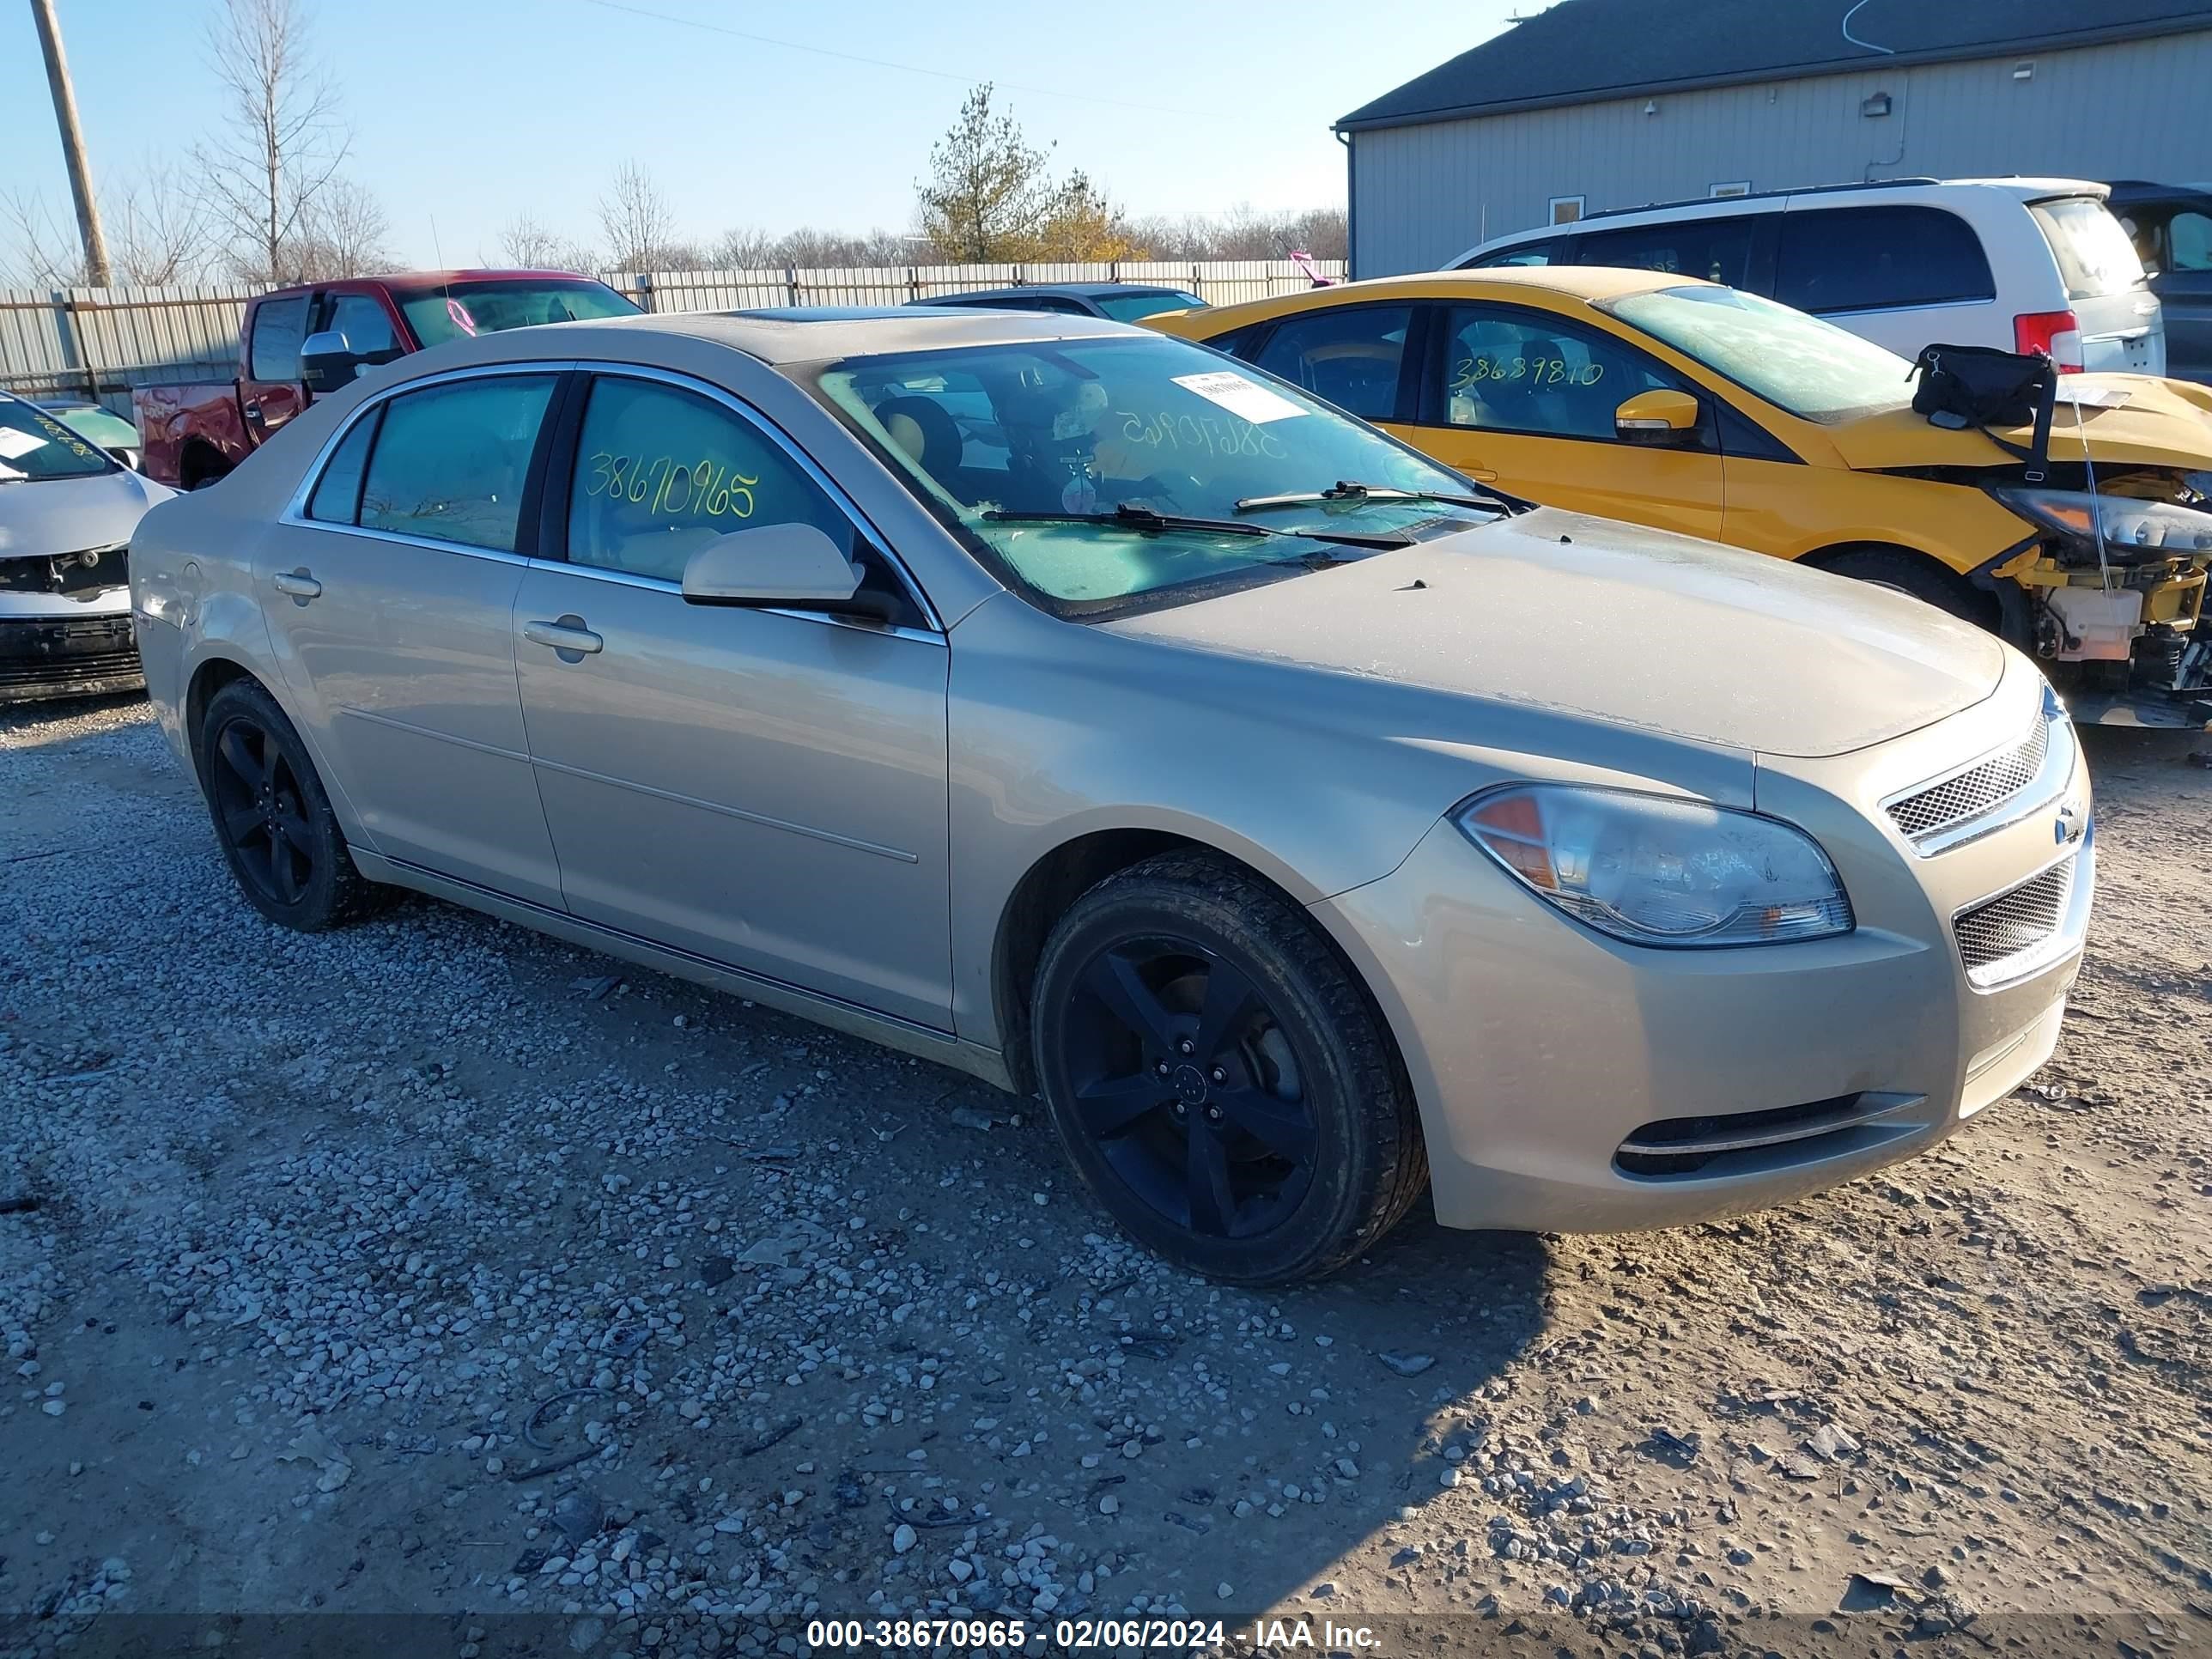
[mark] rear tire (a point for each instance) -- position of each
(1221, 1083)
(273, 817)
(1915, 578)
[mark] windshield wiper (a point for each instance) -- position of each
(1148, 521)
(1348, 490)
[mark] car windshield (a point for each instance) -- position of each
(1812, 368)
(1097, 474)
(35, 447)
(446, 312)
(1128, 307)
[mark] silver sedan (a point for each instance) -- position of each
(1072, 705)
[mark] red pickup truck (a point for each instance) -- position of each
(296, 342)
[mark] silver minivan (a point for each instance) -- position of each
(2022, 264)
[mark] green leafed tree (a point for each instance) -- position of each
(990, 195)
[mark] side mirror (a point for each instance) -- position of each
(773, 566)
(327, 362)
(1657, 417)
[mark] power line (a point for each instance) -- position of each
(885, 63)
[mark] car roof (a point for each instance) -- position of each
(1070, 290)
(816, 333)
(1583, 283)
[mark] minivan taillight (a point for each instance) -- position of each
(2055, 334)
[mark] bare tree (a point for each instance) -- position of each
(157, 234)
(524, 241)
(345, 234)
(282, 139)
(635, 218)
(745, 247)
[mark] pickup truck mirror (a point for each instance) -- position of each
(772, 566)
(327, 362)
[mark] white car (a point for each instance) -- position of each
(2023, 265)
(67, 512)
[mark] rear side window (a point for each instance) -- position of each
(662, 472)
(279, 326)
(1832, 259)
(449, 462)
(1718, 250)
(2190, 238)
(2095, 257)
(336, 498)
(1350, 357)
(367, 328)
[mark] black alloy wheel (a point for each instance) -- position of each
(1220, 1080)
(272, 814)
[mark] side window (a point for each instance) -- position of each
(1528, 253)
(367, 328)
(279, 326)
(450, 461)
(2189, 235)
(336, 498)
(1831, 259)
(1350, 358)
(660, 472)
(1509, 371)
(1718, 250)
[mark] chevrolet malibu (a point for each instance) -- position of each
(1072, 705)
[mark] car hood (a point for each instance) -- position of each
(2162, 424)
(41, 517)
(1587, 618)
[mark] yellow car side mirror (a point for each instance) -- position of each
(1655, 416)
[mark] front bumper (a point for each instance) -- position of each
(1571, 1083)
(67, 647)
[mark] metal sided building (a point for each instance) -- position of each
(1599, 104)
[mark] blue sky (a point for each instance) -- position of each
(469, 111)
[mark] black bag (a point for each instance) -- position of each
(1963, 385)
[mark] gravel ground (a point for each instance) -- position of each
(436, 1266)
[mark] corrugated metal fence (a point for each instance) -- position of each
(106, 340)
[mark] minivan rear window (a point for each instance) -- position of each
(1873, 259)
(2095, 257)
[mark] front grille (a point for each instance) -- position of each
(2001, 935)
(73, 575)
(1685, 1145)
(1977, 790)
(91, 668)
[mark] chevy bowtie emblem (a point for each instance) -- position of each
(2064, 828)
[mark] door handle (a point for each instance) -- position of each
(299, 584)
(568, 636)
(253, 410)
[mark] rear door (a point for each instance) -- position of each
(2121, 327)
(389, 588)
(1526, 397)
(272, 392)
(2177, 239)
(763, 788)
(1901, 275)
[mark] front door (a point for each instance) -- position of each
(1524, 399)
(765, 789)
(390, 601)
(272, 391)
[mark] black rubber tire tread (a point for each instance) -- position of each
(1894, 566)
(1389, 1169)
(339, 893)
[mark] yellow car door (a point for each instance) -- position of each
(1527, 399)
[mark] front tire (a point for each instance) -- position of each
(1915, 578)
(1219, 1080)
(273, 817)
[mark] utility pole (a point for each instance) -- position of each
(80, 172)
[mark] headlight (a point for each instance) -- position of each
(1655, 871)
(2077, 515)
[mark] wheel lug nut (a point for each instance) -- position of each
(1220, 1075)
(1187, 1045)
(1214, 1114)
(1164, 1068)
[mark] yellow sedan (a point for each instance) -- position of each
(1677, 404)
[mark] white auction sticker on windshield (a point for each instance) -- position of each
(1246, 399)
(13, 443)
